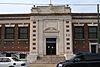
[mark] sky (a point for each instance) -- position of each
(18, 8)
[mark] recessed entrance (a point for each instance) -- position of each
(93, 48)
(51, 46)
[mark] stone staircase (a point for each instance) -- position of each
(49, 59)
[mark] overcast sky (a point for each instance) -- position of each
(12, 8)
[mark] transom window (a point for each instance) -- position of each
(9, 33)
(78, 32)
(23, 33)
(92, 32)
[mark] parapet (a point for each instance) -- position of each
(49, 9)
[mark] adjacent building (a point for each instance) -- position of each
(48, 30)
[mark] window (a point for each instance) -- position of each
(6, 60)
(67, 39)
(15, 59)
(34, 39)
(79, 58)
(68, 43)
(34, 30)
(22, 56)
(34, 22)
(67, 26)
(23, 33)
(8, 54)
(34, 26)
(92, 57)
(67, 21)
(9, 33)
(92, 33)
(34, 34)
(34, 48)
(34, 43)
(68, 48)
(78, 32)
(67, 30)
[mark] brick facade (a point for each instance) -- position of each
(14, 44)
(49, 22)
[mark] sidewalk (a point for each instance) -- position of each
(42, 65)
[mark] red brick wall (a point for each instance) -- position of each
(15, 44)
(81, 45)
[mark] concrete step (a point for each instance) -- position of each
(49, 59)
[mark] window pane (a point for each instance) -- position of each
(78, 36)
(78, 32)
(23, 36)
(92, 29)
(9, 30)
(92, 36)
(78, 29)
(92, 32)
(23, 30)
(9, 36)
(9, 33)
(23, 33)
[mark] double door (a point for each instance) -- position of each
(51, 46)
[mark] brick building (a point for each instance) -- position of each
(48, 30)
(15, 35)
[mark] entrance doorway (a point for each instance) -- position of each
(51, 46)
(93, 48)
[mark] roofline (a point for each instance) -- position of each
(84, 14)
(14, 15)
(43, 14)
